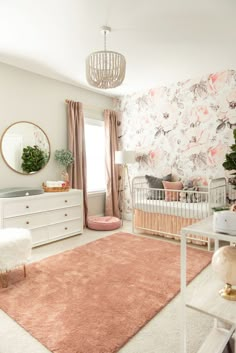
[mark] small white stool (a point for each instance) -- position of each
(15, 250)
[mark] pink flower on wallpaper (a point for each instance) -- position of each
(200, 114)
(194, 139)
(157, 94)
(186, 117)
(167, 116)
(218, 80)
(231, 99)
(152, 154)
(152, 92)
(216, 154)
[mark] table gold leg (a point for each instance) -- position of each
(4, 281)
(24, 271)
(1, 279)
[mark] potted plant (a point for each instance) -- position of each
(65, 159)
(34, 159)
(230, 162)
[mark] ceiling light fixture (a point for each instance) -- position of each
(105, 69)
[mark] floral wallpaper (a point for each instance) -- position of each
(185, 128)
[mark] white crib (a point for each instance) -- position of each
(157, 216)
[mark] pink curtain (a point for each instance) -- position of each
(76, 144)
(112, 170)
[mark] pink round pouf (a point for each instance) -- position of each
(103, 223)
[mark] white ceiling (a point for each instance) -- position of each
(163, 40)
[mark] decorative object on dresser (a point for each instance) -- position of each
(65, 159)
(56, 186)
(15, 250)
(224, 265)
(95, 297)
(49, 216)
(28, 142)
(19, 192)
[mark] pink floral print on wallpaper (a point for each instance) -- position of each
(185, 128)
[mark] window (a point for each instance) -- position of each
(95, 154)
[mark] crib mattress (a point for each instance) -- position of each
(182, 209)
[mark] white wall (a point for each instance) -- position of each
(40, 100)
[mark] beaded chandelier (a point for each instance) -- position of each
(105, 69)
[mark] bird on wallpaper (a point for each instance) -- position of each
(231, 125)
(223, 123)
(214, 107)
(160, 131)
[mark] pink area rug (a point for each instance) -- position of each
(94, 298)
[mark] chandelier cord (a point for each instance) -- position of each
(105, 44)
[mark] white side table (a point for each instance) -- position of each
(205, 298)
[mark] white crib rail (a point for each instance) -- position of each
(154, 215)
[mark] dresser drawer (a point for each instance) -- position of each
(65, 200)
(39, 235)
(64, 228)
(21, 207)
(64, 214)
(28, 221)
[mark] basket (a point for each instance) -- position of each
(55, 189)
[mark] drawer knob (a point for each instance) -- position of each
(66, 228)
(66, 215)
(66, 201)
(27, 206)
(27, 222)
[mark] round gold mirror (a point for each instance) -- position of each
(25, 147)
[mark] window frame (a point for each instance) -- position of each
(95, 122)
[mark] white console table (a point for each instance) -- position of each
(205, 298)
(49, 216)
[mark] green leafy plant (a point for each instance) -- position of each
(34, 159)
(64, 157)
(230, 162)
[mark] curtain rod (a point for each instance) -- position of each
(89, 107)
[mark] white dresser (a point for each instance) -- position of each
(50, 216)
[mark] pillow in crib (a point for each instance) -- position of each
(170, 186)
(156, 183)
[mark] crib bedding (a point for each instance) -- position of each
(155, 213)
(168, 226)
(182, 209)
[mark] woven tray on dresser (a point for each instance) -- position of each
(55, 189)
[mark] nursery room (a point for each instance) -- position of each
(118, 176)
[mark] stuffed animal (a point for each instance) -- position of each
(185, 195)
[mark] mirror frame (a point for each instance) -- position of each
(49, 146)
